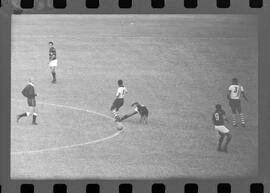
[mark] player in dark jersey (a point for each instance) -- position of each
(139, 108)
(218, 119)
(30, 94)
(52, 61)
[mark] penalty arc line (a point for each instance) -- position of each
(66, 147)
(75, 145)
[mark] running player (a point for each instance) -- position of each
(52, 61)
(234, 94)
(119, 101)
(30, 94)
(218, 119)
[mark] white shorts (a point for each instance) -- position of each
(222, 129)
(53, 63)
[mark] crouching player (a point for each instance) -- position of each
(119, 101)
(218, 119)
(139, 108)
(30, 94)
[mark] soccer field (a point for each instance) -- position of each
(178, 66)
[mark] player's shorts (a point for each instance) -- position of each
(235, 105)
(117, 103)
(31, 102)
(222, 129)
(53, 63)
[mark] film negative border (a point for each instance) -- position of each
(130, 188)
(27, 5)
(253, 185)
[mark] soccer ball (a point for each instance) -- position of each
(119, 126)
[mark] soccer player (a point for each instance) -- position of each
(139, 108)
(234, 94)
(52, 61)
(218, 119)
(119, 101)
(30, 94)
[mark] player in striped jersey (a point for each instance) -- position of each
(218, 119)
(119, 101)
(234, 94)
(52, 61)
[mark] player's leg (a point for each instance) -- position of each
(146, 115)
(242, 119)
(233, 108)
(144, 119)
(25, 114)
(220, 141)
(222, 131)
(115, 114)
(53, 65)
(34, 109)
(32, 112)
(141, 119)
(128, 115)
(53, 74)
(123, 118)
(226, 133)
(51, 69)
(228, 139)
(119, 104)
(114, 109)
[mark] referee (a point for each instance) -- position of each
(30, 94)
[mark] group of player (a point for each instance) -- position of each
(30, 94)
(29, 89)
(119, 102)
(235, 91)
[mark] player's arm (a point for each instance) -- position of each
(213, 119)
(225, 117)
(243, 94)
(229, 94)
(117, 93)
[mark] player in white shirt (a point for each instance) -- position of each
(235, 92)
(119, 101)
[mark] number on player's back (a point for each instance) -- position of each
(236, 91)
(217, 116)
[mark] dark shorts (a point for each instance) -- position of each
(117, 103)
(31, 102)
(235, 105)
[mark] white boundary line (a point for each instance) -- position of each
(69, 146)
